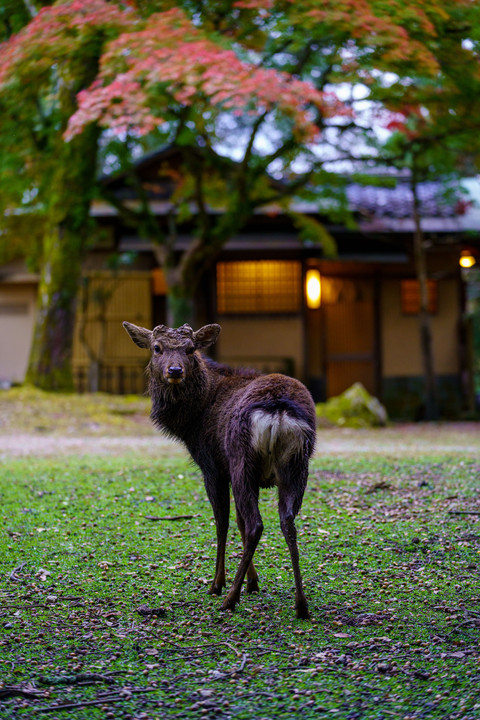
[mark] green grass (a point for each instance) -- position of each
(391, 574)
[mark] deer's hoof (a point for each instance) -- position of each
(252, 586)
(229, 604)
(302, 612)
(215, 589)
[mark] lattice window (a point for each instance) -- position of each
(264, 286)
(410, 297)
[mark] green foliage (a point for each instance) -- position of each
(15, 14)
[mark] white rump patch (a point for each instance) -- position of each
(277, 436)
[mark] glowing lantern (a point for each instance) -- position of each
(466, 259)
(313, 289)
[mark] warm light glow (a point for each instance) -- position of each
(259, 286)
(313, 289)
(466, 259)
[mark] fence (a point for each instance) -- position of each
(131, 379)
(116, 379)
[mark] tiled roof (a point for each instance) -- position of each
(397, 201)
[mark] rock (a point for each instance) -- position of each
(354, 408)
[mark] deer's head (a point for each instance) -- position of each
(173, 349)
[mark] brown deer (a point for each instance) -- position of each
(242, 429)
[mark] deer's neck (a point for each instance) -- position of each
(178, 409)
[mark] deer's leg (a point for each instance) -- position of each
(293, 480)
(219, 496)
(246, 500)
(252, 577)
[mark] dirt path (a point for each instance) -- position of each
(400, 440)
(51, 445)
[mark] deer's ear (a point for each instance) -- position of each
(140, 335)
(206, 336)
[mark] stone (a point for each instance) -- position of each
(354, 408)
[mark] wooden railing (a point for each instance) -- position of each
(116, 379)
(131, 379)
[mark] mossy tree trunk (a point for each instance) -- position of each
(63, 250)
(180, 308)
(50, 365)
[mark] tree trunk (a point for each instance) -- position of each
(430, 394)
(180, 289)
(184, 274)
(94, 370)
(180, 307)
(50, 365)
(63, 250)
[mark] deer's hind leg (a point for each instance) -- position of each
(245, 489)
(291, 487)
(252, 577)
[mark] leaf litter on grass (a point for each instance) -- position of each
(104, 613)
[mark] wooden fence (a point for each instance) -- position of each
(116, 379)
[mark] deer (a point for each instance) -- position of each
(245, 431)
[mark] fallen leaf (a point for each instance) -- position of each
(42, 574)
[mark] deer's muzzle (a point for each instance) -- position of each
(174, 374)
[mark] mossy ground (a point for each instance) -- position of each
(104, 610)
(31, 410)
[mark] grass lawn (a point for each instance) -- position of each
(105, 561)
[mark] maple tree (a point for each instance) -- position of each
(258, 83)
(172, 78)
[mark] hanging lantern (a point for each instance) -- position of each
(313, 289)
(467, 260)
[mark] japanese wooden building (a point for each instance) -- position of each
(359, 323)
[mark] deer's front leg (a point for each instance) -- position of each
(219, 495)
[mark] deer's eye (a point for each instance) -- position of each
(190, 350)
(156, 349)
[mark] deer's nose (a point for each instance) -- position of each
(175, 372)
